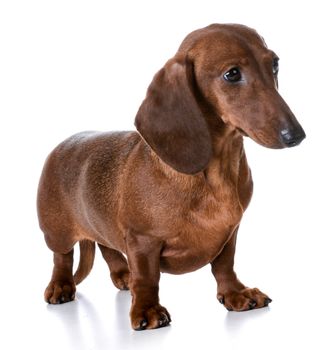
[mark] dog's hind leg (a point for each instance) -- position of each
(61, 288)
(118, 266)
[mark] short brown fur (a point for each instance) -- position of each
(171, 197)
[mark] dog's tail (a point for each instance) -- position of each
(87, 254)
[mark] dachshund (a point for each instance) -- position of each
(170, 197)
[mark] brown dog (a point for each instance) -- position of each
(170, 197)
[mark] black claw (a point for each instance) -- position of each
(169, 319)
(222, 301)
(142, 325)
(252, 304)
(267, 301)
(164, 320)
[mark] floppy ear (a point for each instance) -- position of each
(171, 121)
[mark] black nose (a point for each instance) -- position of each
(292, 137)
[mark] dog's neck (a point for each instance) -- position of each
(227, 148)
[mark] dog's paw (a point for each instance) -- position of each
(153, 317)
(243, 300)
(59, 292)
(121, 279)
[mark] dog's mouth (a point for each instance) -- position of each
(261, 141)
(242, 132)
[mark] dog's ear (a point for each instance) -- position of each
(171, 121)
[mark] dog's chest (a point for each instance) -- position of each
(201, 234)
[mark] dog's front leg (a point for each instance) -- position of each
(143, 254)
(230, 291)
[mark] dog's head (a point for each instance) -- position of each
(233, 72)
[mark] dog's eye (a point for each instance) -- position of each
(233, 75)
(275, 66)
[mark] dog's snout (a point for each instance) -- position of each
(292, 137)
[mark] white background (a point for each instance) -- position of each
(68, 66)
